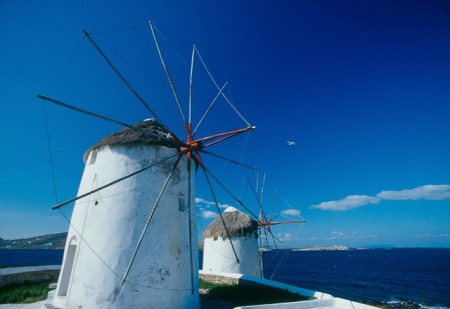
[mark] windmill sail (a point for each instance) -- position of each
(132, 239)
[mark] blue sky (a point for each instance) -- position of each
(362, 87)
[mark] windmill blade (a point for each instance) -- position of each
(263, 220)
(262, 189)
(209, 108)
(275, 217)
(262, 198)
(259, 266)
(147, 223)
(266, 237)
(224, 136)
(288, 222)
(83, 111)
(254, 191)
(260, 260)
(273, 206)
(229, 160)
(273, 257)
(45, 98)
(220, 214)
(167, 71)
(255, 217)
(191, 257)
(122, 78)
(112, 183)
(275, 238)
(281, 261)
(190, 87)
(217, 86)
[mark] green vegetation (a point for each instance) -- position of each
(236, 295)
(24, 293)
(240, 295)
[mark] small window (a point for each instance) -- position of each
(181, 202)
(93, 157)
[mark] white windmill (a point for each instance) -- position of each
(218, 254)
(132, 241)
(220, 248)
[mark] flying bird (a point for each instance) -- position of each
(291, 143)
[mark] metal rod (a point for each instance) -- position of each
(217, 86)
(167, 71)
(147, 223)
(50, 154)
(103, 117)
(190, 86)
(262, 197)
(283, 222)
(231, 194)
(226, 134)
(122, 77)
(82, 110)
(111, 183)
(256, 195)
(229, 160)
(209, 107)
(191, 257)
(220, 214)
(280, 262)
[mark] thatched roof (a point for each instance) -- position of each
(238, 224)
(148, 132)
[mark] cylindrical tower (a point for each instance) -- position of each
(218, 253)
(103, 265)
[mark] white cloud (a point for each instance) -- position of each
(284, 236)
(350, 202)
(198, 200)
(342, 236)
(290, 212)
(224, 206)
(208, 214)
(427, 192)
(336, 233)
(202, 202)
(349, 236)
(443, 235)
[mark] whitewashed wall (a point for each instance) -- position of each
(218, 256)
(106, 226)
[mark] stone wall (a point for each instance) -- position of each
(21, 275)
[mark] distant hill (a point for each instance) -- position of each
(50, 241)
(332, 248)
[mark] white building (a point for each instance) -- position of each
(218, 253)
(100, 268)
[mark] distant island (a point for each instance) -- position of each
(58, 240)
(332, 248)
(50, 241)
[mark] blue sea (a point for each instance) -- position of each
(392, 278)
(398, 278)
